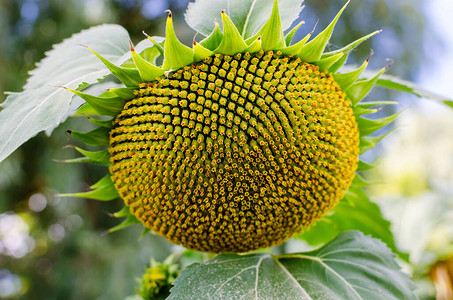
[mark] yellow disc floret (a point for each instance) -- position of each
(236, 152)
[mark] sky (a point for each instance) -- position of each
(436, 74)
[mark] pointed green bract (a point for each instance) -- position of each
(232, 41)
(157, 45)
(110, 106)
(130, 77)
(148, 71)
(85, 110)
(104, 193)
(104, 181)
(337, 65)
(369, 104)
(345, 80)
(101, 156)
(326, 63)
(124, 212)
(176, 55)
(297, 47)
(358, 110)
(272, 32)
(368, 143)
(125, 93)
(200, 52)
(363, 166)
(103, 123)
(351, 46)
(314, 49)
(289, 36)
(367, 126)
(103, 185)
(255, 46)
(130, 220)
(95, 137)
(214, 39)
(360, 89)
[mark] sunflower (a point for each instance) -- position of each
(234, 144)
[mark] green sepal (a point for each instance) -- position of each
(369, 104)
(104, 181)
(297, 47)
(200, 52)
(367, 143)
(364, 108)
(289, 36)
(103, 123)
(104, 193)
(214, 39)
(124, 212)
(126, 93)
(363, 166)
(351, 46)
(176, 55)
(255, 46)
(147, 71)
(250, 40)
(272, 32)
(232, 42)
(358, 90)
(151, 54)
(130, 220)
(313, 50)
(337, 65)
(85, 109)
(358, 110)
(101, 157)
(109, 106)
(95, 137)
(326, 63)
(368, 126)
(77, 160)
(359, 181)
(158, 46)
(345, 80)
(130, 77)
(144, 232)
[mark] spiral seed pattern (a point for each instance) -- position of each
(236, 152)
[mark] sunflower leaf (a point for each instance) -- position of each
(352, 266)
(354, 212)
(248, 15)
(42, 106)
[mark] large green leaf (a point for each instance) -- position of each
(352, 266)
(354, 212)
(248, 15)
(42, 106)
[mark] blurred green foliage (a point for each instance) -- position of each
(67, 255)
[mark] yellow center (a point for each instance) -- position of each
(235, 153)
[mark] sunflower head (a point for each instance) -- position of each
(234, 144)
